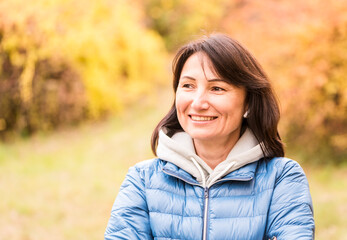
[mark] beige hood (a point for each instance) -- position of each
(179, 150)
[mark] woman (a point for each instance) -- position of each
(220, 171)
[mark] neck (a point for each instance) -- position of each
(213, 152)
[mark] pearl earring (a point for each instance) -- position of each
(246, 114)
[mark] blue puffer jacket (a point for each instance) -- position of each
(159, 200)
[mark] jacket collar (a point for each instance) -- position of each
(172, 170)
(245, 173)
(179, 149)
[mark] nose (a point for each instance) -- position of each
(200, 101)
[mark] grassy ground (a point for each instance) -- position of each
(62, 185)
(328, 188)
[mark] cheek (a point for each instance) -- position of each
(235, 109)
(180, 110)
(181, 102)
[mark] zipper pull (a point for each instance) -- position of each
(206, 192)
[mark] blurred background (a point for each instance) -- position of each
(83, 84)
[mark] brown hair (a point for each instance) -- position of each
(232, 62)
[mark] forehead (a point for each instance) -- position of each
(197, 64)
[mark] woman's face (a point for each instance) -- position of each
(208, 108)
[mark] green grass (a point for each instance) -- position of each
(328, 188)
(62, 185)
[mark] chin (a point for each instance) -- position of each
(201, 136)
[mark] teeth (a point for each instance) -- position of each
(196, 118)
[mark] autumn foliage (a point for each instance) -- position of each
(63, 62)
(303, 47)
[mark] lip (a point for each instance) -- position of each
(202, 118)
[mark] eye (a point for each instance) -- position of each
(187, 85)
(217, 89)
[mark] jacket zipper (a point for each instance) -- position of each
(204, 236)
(206, 197)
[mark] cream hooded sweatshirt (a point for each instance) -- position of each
(179, 150)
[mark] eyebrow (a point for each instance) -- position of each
(209, 80)
(218, 80)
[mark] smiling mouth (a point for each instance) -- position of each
(202, 118)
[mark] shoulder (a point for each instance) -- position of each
(149, 165)
(288, 180)
(140, 174)
(146, 167)
(288, 168)
(280, 165)
(282, 171)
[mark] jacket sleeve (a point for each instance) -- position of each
(291, 212)
(129, 216)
